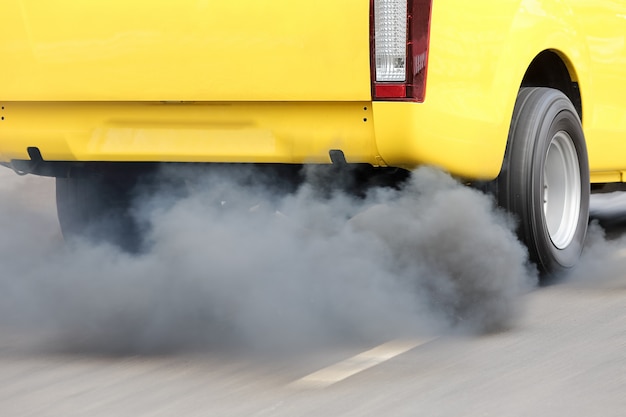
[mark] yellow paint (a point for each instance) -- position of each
(286, 81)
(152, 50)
(603, 177)
(190, 132)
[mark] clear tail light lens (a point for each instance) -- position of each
(390, 40)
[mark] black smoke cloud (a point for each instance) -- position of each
(603, 261)
(231, 262)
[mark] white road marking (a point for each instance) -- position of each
(359, 363)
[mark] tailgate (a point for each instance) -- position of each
(185, 50)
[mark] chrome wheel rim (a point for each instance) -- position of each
(561, 190)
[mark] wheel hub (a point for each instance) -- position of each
(561, 190)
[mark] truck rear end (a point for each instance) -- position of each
(94, 92)
(203, 81)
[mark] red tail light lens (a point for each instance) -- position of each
(399, 46)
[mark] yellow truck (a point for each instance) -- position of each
(528, 96)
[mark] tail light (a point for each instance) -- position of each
(399, 47)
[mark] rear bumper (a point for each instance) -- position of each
(380, 134)
(189, 132)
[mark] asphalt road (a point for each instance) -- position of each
(565, 356)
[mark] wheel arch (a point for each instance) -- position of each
(551, 68)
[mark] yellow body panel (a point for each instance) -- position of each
(192, 132)
(285, 81)
(193, 50)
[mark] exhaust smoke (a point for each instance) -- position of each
(603, 261)
(232, 262)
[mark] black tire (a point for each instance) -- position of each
(98, 208)
(544, 180)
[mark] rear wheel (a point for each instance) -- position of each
(98, 208)
(544, 180)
